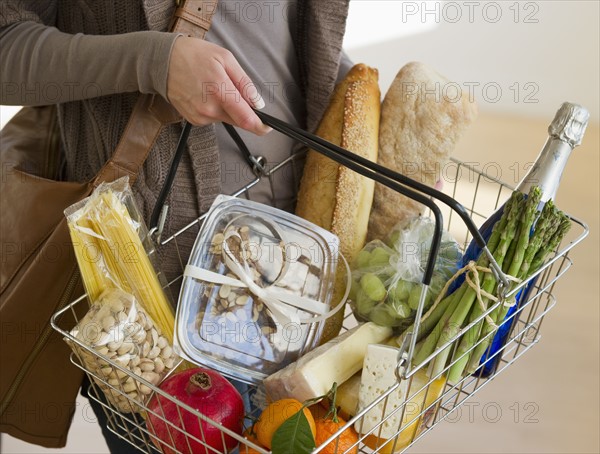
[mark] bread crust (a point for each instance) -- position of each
(354, 193)
(317, 193)
(419, 129)
(332, 196)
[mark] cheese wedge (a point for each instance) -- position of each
(336, 361)
(347, 392)
(377, 377)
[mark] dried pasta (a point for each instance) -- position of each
(110, 253)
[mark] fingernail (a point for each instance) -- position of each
(259, 102)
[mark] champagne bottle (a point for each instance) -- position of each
(564, 134)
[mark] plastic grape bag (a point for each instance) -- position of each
(119, 329)
(387, 276)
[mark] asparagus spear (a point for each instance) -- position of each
(526, 223)
(428, 345)
(440, 315)
(517, 249)
(557, 228)
(518, 245)
(540, 257)
(544, 230)
(510, 254)
(456, 321)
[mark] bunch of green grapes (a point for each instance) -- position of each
(379, 295)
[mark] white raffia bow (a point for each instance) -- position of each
(281, 303)
(471, 271)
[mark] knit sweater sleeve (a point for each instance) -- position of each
(41, 65)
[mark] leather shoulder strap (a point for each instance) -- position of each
(150, 113)
(193, 17)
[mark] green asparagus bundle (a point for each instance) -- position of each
(520, 243)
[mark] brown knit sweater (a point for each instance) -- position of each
(124, 49)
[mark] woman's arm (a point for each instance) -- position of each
(41, 65)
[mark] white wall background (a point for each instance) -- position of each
(549, 48)
(6, 113)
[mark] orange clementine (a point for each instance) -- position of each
(248, 450)
(347, 441)
(319, 410)
(250, 436)
(274, 415)
(245, 449)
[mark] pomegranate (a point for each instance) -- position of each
(210, 394)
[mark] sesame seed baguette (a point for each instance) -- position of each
(354, 193)
(316, 196)
(333, 196)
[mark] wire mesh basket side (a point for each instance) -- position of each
(133, 424)
(425, 404)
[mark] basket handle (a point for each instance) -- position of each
(408, 187)
(391, 179)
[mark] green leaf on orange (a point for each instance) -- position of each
(293, 436)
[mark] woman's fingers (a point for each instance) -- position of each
(240, 112)
(227, 106)
(206, 84)
(242, 82)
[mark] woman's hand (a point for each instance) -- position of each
(206, 84)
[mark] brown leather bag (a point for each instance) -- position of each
(38, 270)
(39, 275)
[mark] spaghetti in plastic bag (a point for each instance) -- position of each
(113, 248)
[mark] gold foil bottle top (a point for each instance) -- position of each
(569, 123)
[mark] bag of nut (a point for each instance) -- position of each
(119, 332)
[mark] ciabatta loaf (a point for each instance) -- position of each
(423, 116)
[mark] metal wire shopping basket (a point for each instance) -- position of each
(480, 196)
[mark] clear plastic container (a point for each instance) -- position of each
(229, 327)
